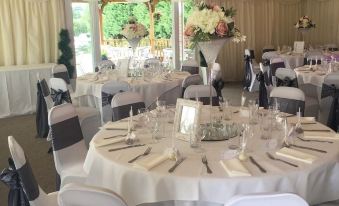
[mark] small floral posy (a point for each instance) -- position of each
(133, 29)
(304, 23)
(210, 21)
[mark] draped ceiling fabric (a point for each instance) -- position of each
(271, 22)
(30, 31)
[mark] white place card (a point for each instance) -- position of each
(298, 47)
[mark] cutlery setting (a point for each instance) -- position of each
(177, 163)
(205, 162)
(125, 147)
(269, 155)
(314, 140)
(147, 152)
(257, 164)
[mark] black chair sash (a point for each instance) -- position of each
(10, 177)
(252, 54)
(266, 62)
(248, 73)
(59, 97)
(63, 75)
(333, 49)
(122, 111)
(206, 100)
(287, 82)
(218, 86)
(274, 67)
(190, 69)
(267, 50)
(333, 117)
(290, 106)
(313, 61)
(41, 118)
(66, 133)
(28, 181)
(44, 87)
(263, 100)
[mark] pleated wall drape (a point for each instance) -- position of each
(29, 31)
(271, 22)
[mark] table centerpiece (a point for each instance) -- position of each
(304, 24)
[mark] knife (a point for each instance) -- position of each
(126, 147)
(118, 129)
(177, 163)
(309, 148)
(317, 130)
(256, 164)
(120, 135)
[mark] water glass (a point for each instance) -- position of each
(161, 105)
(143, 116)
(227, 110)
(197, 134)
(253, 112)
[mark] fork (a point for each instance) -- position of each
(313, 140)
(274, 158)
(147, 151)
(205, 162)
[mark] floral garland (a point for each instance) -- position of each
(304, 23)
(133, 29)
(210, 21)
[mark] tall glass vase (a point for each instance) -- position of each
(210, 50)
(134, 44)
(303, 32)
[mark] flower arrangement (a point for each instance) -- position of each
(304, 23)
(210, 21)
(133, 29)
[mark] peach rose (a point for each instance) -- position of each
(189, 31)
(216, 8)
(221, 28)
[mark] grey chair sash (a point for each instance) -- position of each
(122, 112)
(44, 87)
(290, 106)
(206, 100)
(333, 117)
(267, 50)
(287, 82)
(62, 75)
(28, 181)
(59, 97)
(106, 98)
(191, 69)
(263, 100)
(66, 133)
(248, 73)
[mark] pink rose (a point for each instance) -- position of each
(216, 8)
(189, 31)
(221, 28)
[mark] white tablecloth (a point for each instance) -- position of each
(317, 182)
(18, 88)
(291, 60)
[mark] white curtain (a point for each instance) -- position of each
(271, 22)
(30, 31)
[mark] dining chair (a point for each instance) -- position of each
(275, 199)
(90, 118)
(268, 48)
(251, 70)
(108, 90)
(286, 77)
(275, 63)
(123, 102)
(202, 92)
(104, 64)
(69, 149)
(191, 66)
(72, 194)
(290, 99)
(60, 71)
(194, 79)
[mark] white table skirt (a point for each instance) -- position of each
(18, 88)
(316, 182)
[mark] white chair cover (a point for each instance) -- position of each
(269, 55)
(202, 92)
(289, 98)
(284, 199)
(60, 71)
(194, 79)
(83, 195)
(122, 103)
(69, 147)
(282, 73)
(35, 195)
(105, 64)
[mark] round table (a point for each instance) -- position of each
(315, 182)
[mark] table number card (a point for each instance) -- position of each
(299, 47)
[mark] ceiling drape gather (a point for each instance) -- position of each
(30, 31)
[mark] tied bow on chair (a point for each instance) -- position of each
(263, 101)
(106, 98)
(247, 82)
(266, 62)
(60, 97)
(287, 82)
(333, 118)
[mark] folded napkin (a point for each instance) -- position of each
(151, 161)
(303, 120)
(90, 77)
(234, 168)
(116, 125)
(320, 135)
(101, 80)
(303, 68)
(296, 155)
(104, 142)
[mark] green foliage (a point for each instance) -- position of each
(81, 21)
(66, 51)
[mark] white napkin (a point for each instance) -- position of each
(305, 120)
(151, 161)
(104, 142)
(234, 168)
(90, 77)
(117, 125)
(296, 155)
(321, 135)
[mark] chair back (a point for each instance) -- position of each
(108, 91)
(331, 47)
(314, 59)
(279, 199)
(151, 62)
(122, 103)
(290, 99)
(46, 92)
(202, 92)
(105, 64)
(34, 193)
(194, 79)
(59, 91)
(274, 65)
(268, 50)
(60, 71)
(84, 195)
(250, 53)
(269, 55)
(286, 77)
(67, 139)
(191, 66)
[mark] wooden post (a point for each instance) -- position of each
(151, 8)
